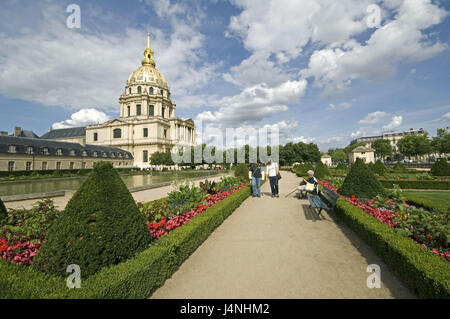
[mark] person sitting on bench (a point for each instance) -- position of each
(310, 185)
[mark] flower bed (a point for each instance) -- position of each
(428, 229)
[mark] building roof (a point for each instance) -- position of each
(38, 145)
(361, 149)
(28, 134)
(65, 133)
(325, 156)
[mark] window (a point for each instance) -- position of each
(11, 148)
(104, 154)
(10, 166)
(139, 90)
(145, 132)
(72, 153)
(59, 151)
(117, 133)
(165, 133)
(83, 165)
(120, 155)
(113, 155)
(138, 109)
(163, 111)
(58, 165)
(30, 150)
(162, 92)
(151, 110)
(151, 90)
(44, 166)
(95, 154)
(129, 110)
(28, 166)
(129, 90)
(71, 165)
(84, 153)
(45, 151)
(95, 136)
(145, 156)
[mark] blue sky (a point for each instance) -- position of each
(317, 70)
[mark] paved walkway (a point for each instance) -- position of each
(276, 248)
(140, 196)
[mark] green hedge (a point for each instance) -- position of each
(424, 272)
(416, 184)
(137, 277)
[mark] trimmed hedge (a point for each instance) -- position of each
(424, 272)
(408, 184)
(426, 203)
(100, 226)
(137, 277)
(440, 168)
(3, 212)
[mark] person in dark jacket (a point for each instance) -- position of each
(310, 185)
(255, 169)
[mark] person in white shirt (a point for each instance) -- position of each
(272, 172)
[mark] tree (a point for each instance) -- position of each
(241, 171)
(441, 142)
(379, 168)
(161, 158)
(321, 171)
(414, 145)
(338, 155)
(100, 226)
(382, 148)
(361, 182)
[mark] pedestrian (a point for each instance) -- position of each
(309, 186)
(255, 169)
(273, 173)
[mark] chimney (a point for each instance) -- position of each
(17, 131)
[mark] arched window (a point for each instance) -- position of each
(139, 90)
(151, 90)
(151, 110)
(129, 90)
(117, 133)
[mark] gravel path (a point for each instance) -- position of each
(276, 248)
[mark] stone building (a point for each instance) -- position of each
(367, 154)
(36, 154)
(147, 122)
(326, 159)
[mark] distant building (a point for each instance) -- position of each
(367, 154)
(70, 135)
(393, 137)
(25, 151)
(326, 159)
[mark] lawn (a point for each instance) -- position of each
(438, 196)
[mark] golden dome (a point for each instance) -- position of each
(147, 73)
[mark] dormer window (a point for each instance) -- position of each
(104, 154)
(113, 155)
(45, 151)
(95, 154)
(84, 153)
(120, 155)
(30, 150)
(72, 153)
(11, 149)
(59, 151)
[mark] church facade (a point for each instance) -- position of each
(147, 122)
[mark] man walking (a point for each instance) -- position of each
(272, 172)
(256, 179)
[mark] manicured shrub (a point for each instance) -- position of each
(371, 166)
(411, 184)
(379, 168)
(100, 226)
(3, 212)
(241, 171)
(361, 182)
(321, 171)
(302, 169)
(424, 272)
(441, 168)
(341, 166)
(399, 167)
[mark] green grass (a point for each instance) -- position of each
(438, 196)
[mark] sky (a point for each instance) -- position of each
(321, 71)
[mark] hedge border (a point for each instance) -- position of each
(137, 277)
(424, 272)
(443, 185)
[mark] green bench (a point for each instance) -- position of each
(317, 202)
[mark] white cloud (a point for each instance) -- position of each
(340, 106)
(373, 117)
(44, 61)
(82, 118)
(254, 104)
(395, 122)
(398, 41)
(446, 116)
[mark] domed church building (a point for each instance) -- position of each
(147, 122)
